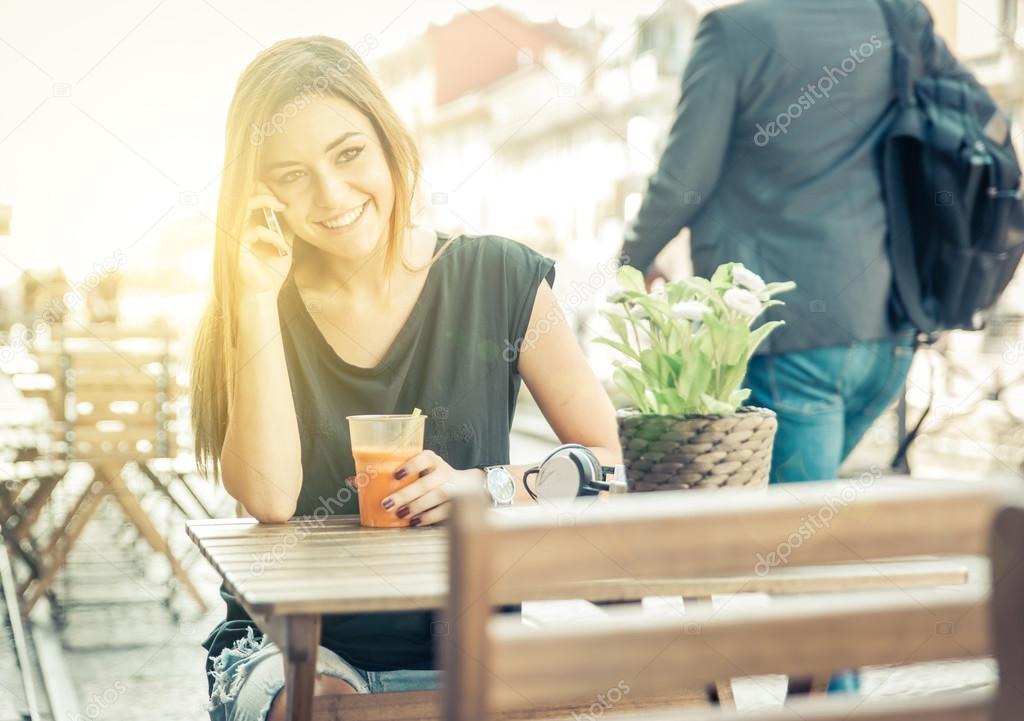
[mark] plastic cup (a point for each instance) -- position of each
(380, 445)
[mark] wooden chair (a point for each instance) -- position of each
(496, 666)
(116, 389)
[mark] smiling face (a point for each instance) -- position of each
(329, 168)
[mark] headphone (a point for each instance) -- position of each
(572, 470)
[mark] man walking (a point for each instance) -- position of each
(772, 161)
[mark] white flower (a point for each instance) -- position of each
(690, 310)
(747, 279)
(742, 301)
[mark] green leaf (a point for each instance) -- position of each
(626, 383)
(739, 395)
(716, 407)
(617, 323)
(670, 401)
(775, 288)
(694, 380)
(675, 365)
(650, 363)
(631, 279)
(620, 347)
(722, 278)
(759, 334)
(736, 337)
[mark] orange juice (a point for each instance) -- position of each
(375, 481)
(380, 445)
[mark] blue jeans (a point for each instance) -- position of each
(249, 676)
(826, 399)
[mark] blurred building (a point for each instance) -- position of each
(988, 35)
(536, 131)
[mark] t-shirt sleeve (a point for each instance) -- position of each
(525, 269)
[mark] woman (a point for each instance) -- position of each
(352, 309)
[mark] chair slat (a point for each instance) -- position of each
(697, 534)
(703, 645)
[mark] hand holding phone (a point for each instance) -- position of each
(265, 259)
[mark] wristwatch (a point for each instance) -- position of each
(499, 484)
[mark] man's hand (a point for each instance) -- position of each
(653, 274)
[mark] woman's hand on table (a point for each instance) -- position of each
(426, 500)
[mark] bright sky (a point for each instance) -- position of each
(112, 113)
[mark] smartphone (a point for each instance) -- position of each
(270, 218)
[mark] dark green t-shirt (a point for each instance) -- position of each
(456, 359)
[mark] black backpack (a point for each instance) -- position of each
(952, 190)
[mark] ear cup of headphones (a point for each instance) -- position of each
(569, 471)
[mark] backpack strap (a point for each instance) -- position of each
(907, 58)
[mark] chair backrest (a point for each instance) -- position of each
(496, 665)
(119, 390)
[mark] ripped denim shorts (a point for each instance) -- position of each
(247, 678)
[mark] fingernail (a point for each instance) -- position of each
(403, 512)
(414, 522)
(399, 474)
(388, 503)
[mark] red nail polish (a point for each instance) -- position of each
(403, 512)
(388, 503)
(399, 474)
(414, 522)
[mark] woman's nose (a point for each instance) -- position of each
(331, 190)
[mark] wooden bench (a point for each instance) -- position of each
(497, 666)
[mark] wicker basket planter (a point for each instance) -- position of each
(664, 452)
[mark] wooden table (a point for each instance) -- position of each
(286, 576)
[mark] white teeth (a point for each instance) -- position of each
(347, 219)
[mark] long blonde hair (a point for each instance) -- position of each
(279, 81)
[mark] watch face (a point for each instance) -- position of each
(500, 485)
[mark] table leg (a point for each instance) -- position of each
(302, 639)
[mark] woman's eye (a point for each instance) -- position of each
(289, 177)
(350, 154)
